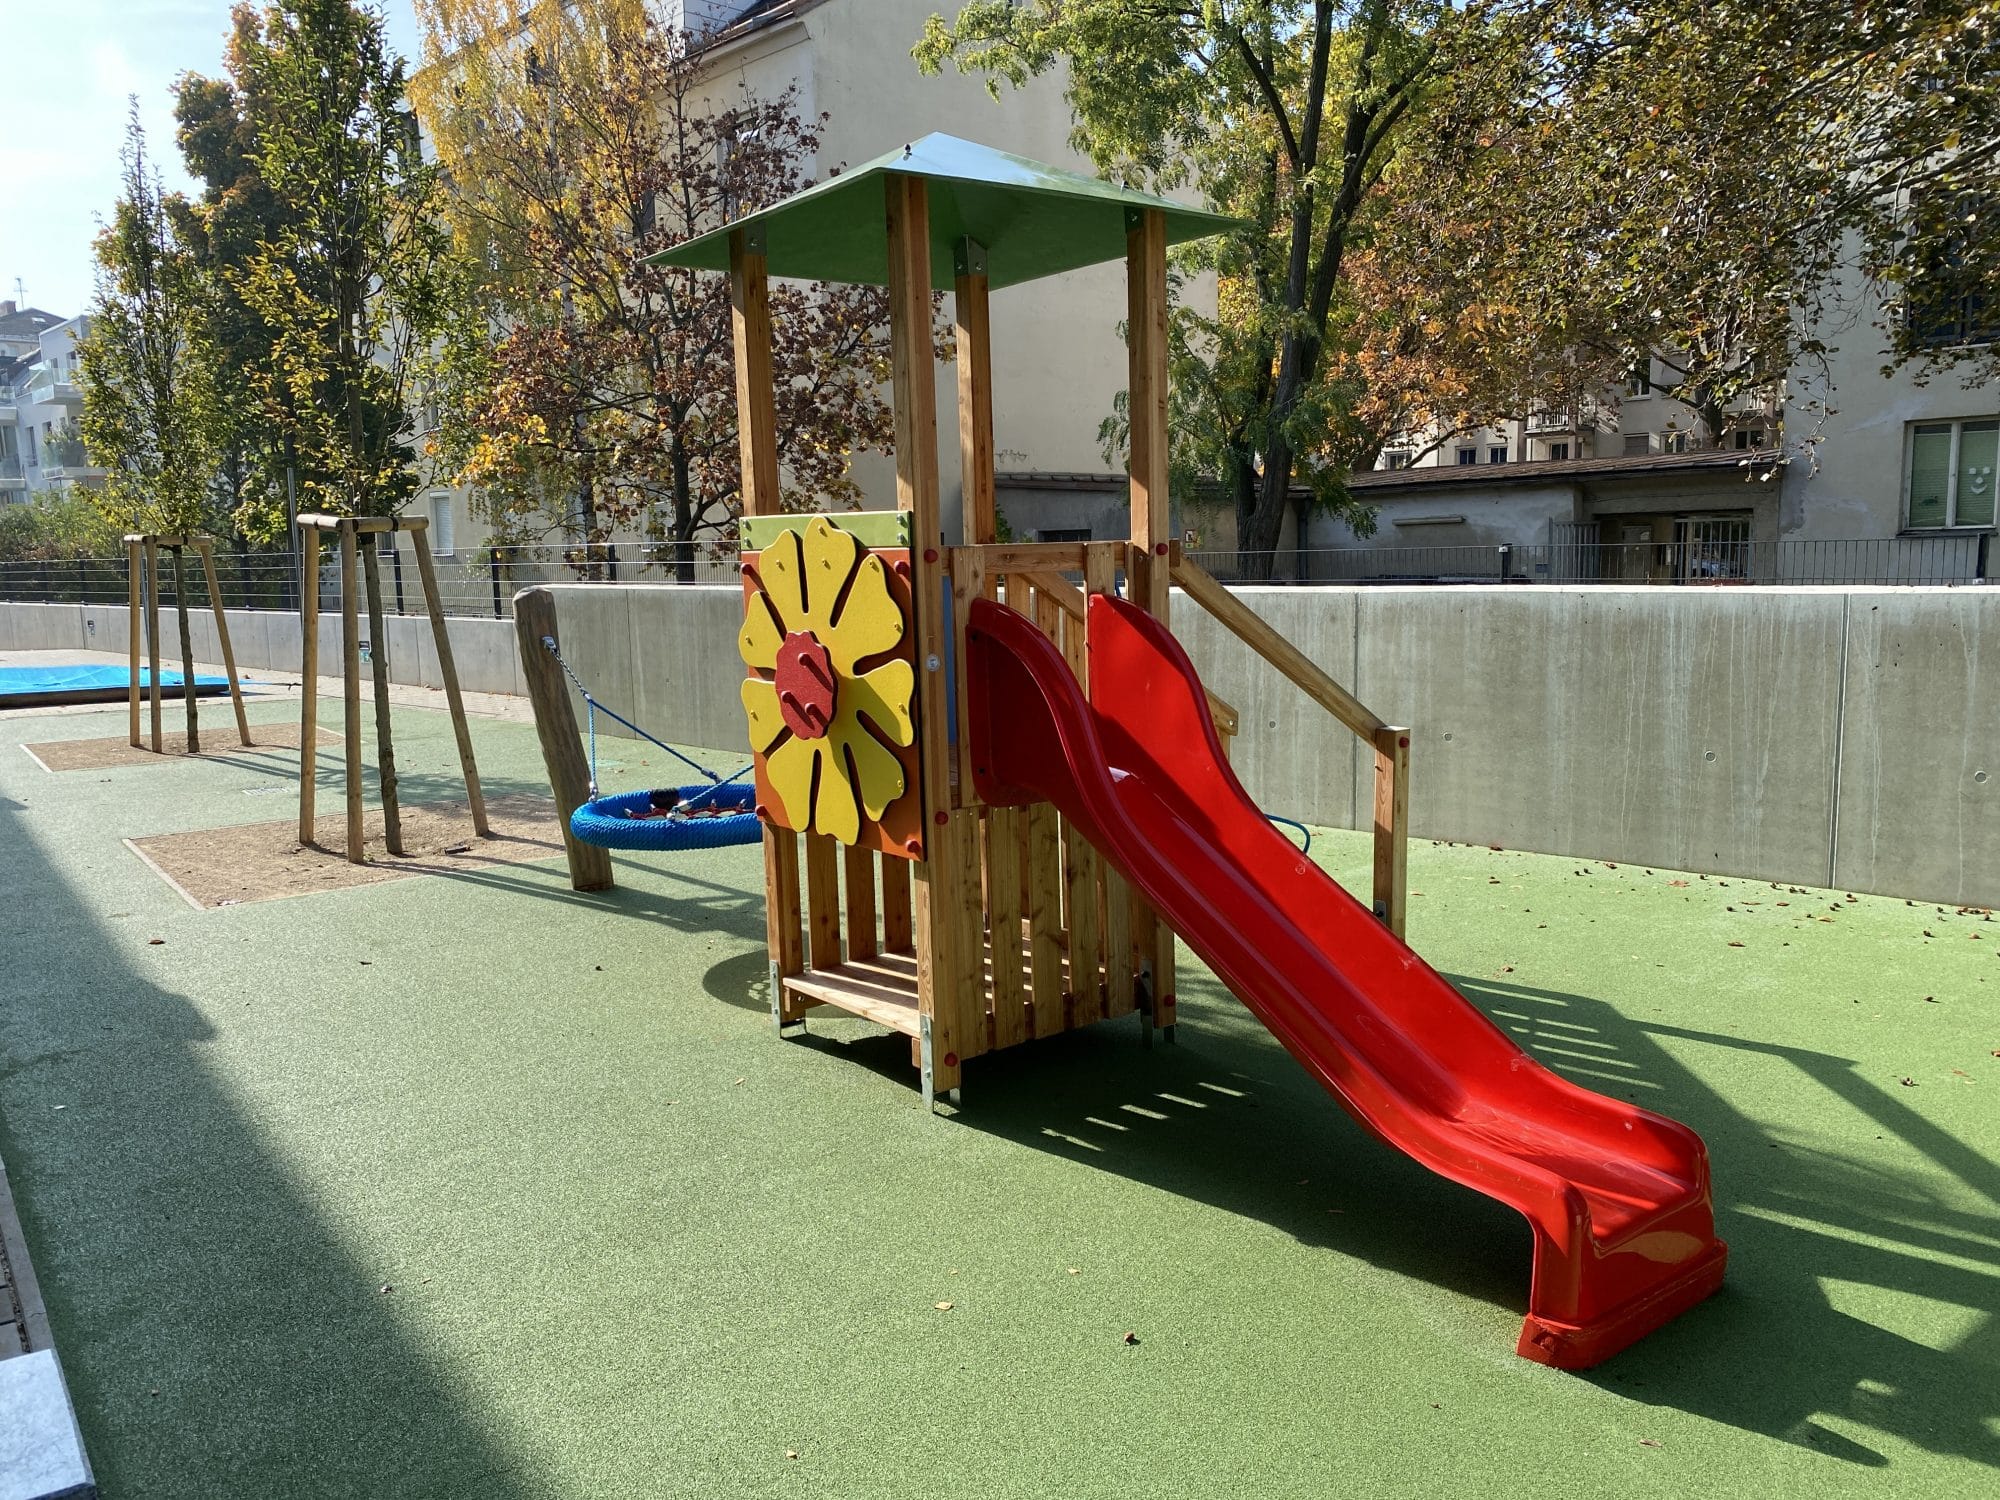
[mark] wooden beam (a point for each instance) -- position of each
(1146, 334)
(757, 445)
(756, 413)
(308, 681)
(822, 901)
(475, 797)
(135, 594)
(206, 548)
(1392, 827)
(350, 690)
(858, 872)
(1082, 907)
(1034, 557)
(896, 931)
(152, 552)
(1046, 940)
(555, 726)
(385, 747)
(975, 392)
(1254, 632)
(187, 651)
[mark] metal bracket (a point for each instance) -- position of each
(968, 257)
(1382, 911)
(926, 1062)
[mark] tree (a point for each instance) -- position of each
(579, 138)
(350, 281)
(148, 376)
(1464, 211)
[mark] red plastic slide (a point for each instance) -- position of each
(1618, 1197)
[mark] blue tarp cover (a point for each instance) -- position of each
(38, 682)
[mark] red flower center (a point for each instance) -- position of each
(805, 685)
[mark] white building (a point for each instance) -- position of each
(1859, 476)
(40, 403)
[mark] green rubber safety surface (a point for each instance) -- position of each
(477, 1187)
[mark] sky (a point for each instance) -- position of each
(71, 66)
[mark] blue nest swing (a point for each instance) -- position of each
(712, 814)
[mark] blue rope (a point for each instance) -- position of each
(591, 707)
(1293, 823)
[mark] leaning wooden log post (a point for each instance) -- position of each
(448, 671)
(187, 651)
(378, 656)
(1392, 827)
(135, 593)
(555, 726)
(207, 550)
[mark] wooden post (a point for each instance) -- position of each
(859, 873)
(1047, 945)
(1146, 298)
(896, 929)
(308, 679)
(1392, 827)
(152, 551)
(1149, 584)
(822, 901)
(350, 690)
(555, 725)
(978, 515)
(757, 441)
(207, 550)
(385, 748)
(135, 593)
(187, 649)
(475, 798)
(947, 976)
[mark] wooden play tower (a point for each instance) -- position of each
(891, 891)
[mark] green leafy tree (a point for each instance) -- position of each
(350, 281)
(148, 376)
(1459, 212)
(580, 137)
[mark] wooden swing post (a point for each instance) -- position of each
(358, 569)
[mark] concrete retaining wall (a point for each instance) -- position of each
(1831, 737)
(269, 641)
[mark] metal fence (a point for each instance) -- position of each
(483, 582)
(1692, 561)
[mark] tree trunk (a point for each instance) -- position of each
(1257, 532)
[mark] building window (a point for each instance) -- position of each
(1673, 442)
(1468, 455)
(1948, 298)
(1951, 473)
(442, 519)
(1497, 454)
(1640, 381)
(1638, 444)
(1558, 452)
(1746, 440)
(1396, 458)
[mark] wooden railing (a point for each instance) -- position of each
(1390, 742)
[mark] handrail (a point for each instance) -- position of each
(1250, 627)
(1390, 742)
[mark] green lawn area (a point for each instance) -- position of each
(474, 1187)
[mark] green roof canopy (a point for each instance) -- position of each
(1034, 220)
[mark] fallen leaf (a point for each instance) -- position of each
(457, 848)
(1734, 944)
(1908, 1083)
(738, 1081)
(1131, 1338)
(154, 942)
(791, 1453)
(1649, 1442)
(1075, 1271)
(942, 1306)
(386, 1289)
(1677, 882)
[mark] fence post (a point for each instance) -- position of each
(1506, 562)
(493, 572)
(1985, 555)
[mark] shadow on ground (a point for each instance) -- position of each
(217, 1335)
(1227, 1119)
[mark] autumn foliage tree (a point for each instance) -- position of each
(1457, 212)
(579, 138)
